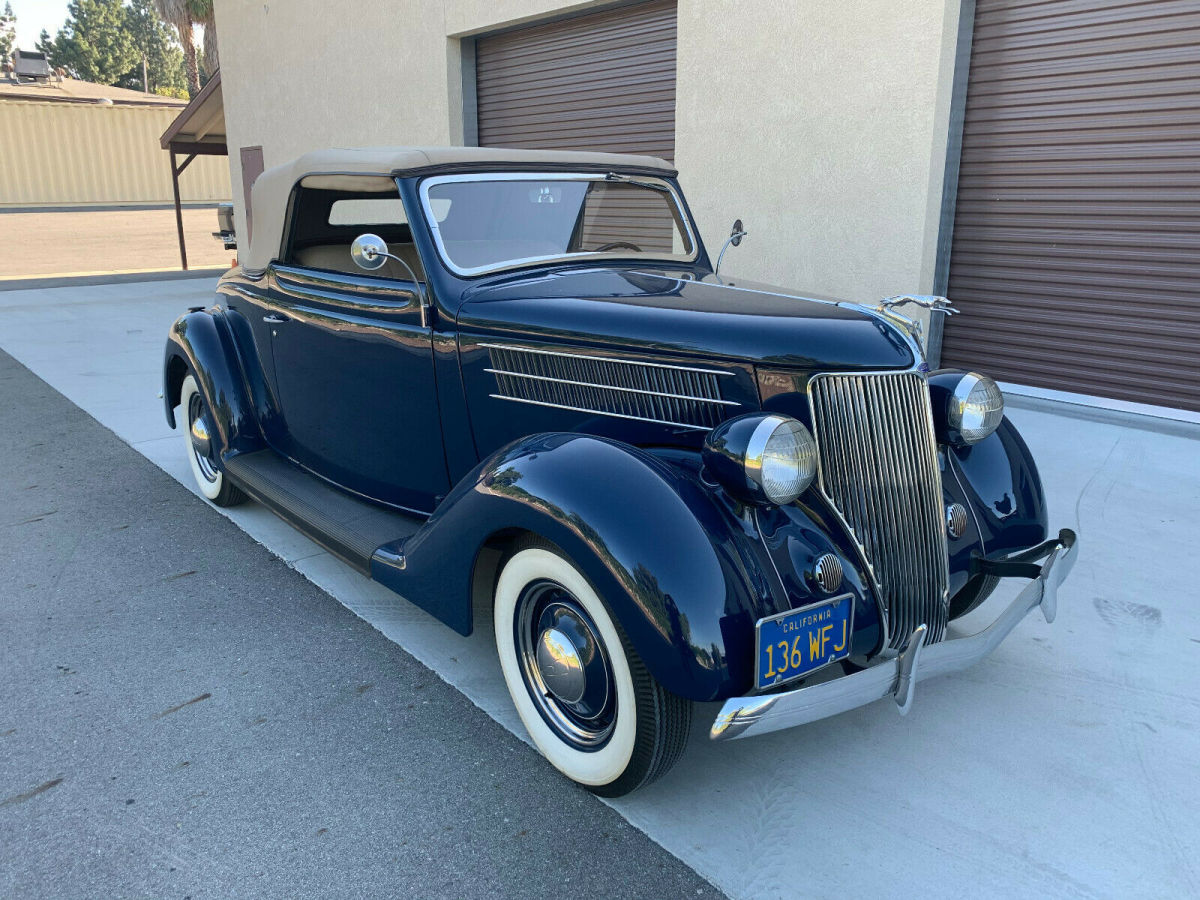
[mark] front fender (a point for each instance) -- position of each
(200, 343)
(1002, 485)
(649, 536)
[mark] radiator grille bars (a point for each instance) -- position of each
(878, 466)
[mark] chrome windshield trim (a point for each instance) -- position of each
(469, 271)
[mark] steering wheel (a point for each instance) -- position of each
(615, 244)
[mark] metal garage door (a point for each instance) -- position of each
(1076, 245)
(604, 81)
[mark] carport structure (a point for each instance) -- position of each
(197, 131)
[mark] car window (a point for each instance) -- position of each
(368, 211)
(329, 212)
(493, 222)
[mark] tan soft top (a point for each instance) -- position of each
(271, 191)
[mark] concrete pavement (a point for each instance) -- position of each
(1064, 766)
(182, 715)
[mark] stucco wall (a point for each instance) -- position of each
(822, 125)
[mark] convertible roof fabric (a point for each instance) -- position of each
(273, 188)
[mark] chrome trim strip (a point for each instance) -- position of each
(733, 287)
(664, 394)
(611, 359)
(667, 188)
(612, 387)
(602, 412)
(759, 714)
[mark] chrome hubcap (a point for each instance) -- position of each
(565, 665)
(199, 433)
(560, 666)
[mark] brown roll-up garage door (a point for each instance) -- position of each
(604, 81)
(1076, 246)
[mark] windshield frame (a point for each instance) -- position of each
(666, 186)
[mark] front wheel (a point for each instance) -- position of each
(198, 437)
(583, 693)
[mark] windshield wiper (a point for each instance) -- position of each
(625, 179)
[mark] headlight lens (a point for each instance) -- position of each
(787, 463)
(976, 407)
(762, 458)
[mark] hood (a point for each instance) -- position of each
(675, 314)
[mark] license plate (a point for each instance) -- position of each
(800, 641)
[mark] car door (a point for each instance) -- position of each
(353, 357)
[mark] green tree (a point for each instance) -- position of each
(178, 13)
(206, 17)
(8, 33)
(156, 44)
(45, 44)
(94, 43)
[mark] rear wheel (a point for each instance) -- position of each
(200, 440)
(583, 693)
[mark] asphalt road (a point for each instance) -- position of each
(182, 715)
(106, 240)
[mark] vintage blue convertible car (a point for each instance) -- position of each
(510, 383)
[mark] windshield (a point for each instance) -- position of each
(487, 222)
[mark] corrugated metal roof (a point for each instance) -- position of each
(69, 90)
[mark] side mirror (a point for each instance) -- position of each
(735, 238)
(369, 251)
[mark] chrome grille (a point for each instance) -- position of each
(649, 392)
(878, 466)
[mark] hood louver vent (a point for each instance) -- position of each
(678, 396)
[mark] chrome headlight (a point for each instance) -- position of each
(762, 457)
(975, 408)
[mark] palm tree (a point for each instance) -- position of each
(202, 13)
(178, 13)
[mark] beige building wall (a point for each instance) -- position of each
(59, 154)
(822, 125)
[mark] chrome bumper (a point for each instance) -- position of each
(897, 677)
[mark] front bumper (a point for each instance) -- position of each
(897, 677)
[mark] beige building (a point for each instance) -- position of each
(74, 143)
(1041, 166)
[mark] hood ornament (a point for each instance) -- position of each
(887, 308)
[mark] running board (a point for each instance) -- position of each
(346, 526)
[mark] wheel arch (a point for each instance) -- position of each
(653, 544)
(200, 344)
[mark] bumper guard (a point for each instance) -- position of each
(897, 677)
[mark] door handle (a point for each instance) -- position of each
(275, 319)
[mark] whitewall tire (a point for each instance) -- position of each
(199, 438)
(583, 694)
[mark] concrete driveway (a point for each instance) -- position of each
(1063, 766)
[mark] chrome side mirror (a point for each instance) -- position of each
(735, 238)
(369, 251)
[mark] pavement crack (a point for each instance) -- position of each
(29, 795)
(175, 709)
(34, 518)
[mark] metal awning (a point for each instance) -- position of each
(199, 130)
